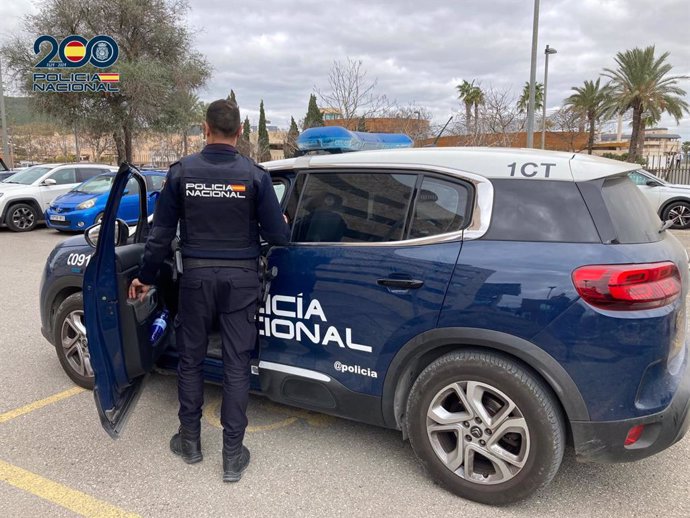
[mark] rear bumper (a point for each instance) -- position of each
(604, 441)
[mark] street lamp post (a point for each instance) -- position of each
(548, 50)
(532, 77)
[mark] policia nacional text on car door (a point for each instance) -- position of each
(352, 274)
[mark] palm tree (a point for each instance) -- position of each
(642, 83)
(466, 91)
(523, 101)
(476, 98)
(593, 101)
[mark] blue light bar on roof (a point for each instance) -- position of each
(336, 139)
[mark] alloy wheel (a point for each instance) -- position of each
(478, 432)
(680, 214)
(73, 338)
(23, 218)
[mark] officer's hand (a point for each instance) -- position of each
(138, 289)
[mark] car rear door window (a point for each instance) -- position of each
(354, 207)
(440, 208)
(84, 173)
(64, 176)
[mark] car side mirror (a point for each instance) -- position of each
(121, 233)
(652, 183)
(49, 181)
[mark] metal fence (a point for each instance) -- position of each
(670, 169)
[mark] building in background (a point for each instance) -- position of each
(660, 147)
(276, 140)
(414, 127)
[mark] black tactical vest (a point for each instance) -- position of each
(218, 203)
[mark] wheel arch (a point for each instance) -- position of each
(58, 297)
(419, 352)
(29, 201)
(668, 202)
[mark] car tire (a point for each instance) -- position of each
(679, 212)
(69, 338)
(485, 427)
(21, 217)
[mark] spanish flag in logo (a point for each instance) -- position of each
(109, 77)
(75, 51)
(238, 187)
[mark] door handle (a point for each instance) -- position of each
(401, 284)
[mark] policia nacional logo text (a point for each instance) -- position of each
(214, 190)
(60, 59)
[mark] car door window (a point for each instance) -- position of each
(64, 176)
(280, 187)
(155, 182)
(440, 208)
(354, 207)
(638, 179)
(85, 173)
(132, 187)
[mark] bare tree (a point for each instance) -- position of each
(351, 92)
(567, 123)
(499, 117)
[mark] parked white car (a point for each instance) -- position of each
(26, 195)
(671, 201)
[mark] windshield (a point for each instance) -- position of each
(29, 176)
(96, 185)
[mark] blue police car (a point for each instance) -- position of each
(83, 206)
(492, 304)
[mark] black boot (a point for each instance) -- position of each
(234, 463)
(187, 445)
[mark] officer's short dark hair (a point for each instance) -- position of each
(223, 117)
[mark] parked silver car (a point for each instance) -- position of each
(671, 201)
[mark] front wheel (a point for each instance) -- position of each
(70, 342)
(679, 212)
(21, 217)
(484, 427)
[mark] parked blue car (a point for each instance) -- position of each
(83, 206)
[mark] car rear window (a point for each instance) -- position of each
(540, 210)
(632, 216)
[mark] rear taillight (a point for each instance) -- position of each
(628, 286)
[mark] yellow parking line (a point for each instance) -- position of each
(8, 416)
(71, 499)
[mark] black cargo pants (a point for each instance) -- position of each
(226, 296)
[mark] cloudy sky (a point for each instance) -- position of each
(279, 50)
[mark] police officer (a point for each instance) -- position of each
(223, 202)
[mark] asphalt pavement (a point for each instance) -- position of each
(56, 460)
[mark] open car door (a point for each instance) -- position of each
(119, 329)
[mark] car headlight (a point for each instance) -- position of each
(87, 204)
